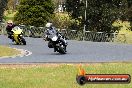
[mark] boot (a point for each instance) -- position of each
(55, 50)
(65, 49)
(12, 38)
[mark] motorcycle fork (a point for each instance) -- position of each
(15, 38)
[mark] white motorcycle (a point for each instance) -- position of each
(57, 42)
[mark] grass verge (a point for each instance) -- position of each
(7, 51)
(58, 75)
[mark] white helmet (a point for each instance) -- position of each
(48, 25)
(10, 22)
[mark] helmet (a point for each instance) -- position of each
(10, 22)
(48, 25)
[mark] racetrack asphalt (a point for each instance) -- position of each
(78, 52)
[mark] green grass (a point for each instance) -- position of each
(6, 51)
(58, 76)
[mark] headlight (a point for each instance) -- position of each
(20, 35)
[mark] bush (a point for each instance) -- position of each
(124, 33)
(62, 20)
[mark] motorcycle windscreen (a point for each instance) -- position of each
(17, 30)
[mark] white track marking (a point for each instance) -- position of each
(22, 54)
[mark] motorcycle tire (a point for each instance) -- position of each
(62, 49)
(23, 41)
(17, 43)
(50, 45)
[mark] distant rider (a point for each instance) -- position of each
(9, 28)
(52, 30)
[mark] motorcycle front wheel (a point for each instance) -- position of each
(62, 49)
(23, 41)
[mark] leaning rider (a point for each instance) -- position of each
(52, 30)
(9, 28)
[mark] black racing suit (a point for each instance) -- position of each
(9, 31)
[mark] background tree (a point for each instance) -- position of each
(3, 4)
(62, 21)
(129, 15)
(11, 5)
(74, 8)
(129, 3)
(58, 2)
(100, 13)
(34, 12)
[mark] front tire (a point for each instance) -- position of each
(23, 41)
(62, 49)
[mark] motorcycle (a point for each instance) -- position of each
(56, 42)
(17, 36)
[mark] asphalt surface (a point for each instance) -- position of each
(78, 51)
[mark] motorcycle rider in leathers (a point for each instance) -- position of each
(9, 28)
(50, 30)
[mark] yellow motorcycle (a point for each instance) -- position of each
(17, 36)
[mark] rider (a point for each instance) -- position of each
(9, 27)
(50, 29)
